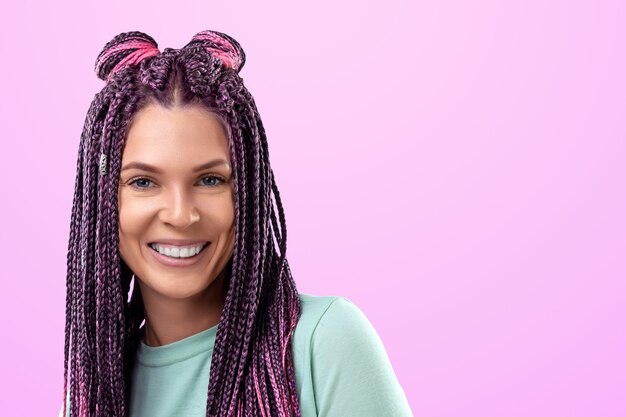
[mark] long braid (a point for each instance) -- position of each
(252, 369)
(120, 319)
(72, 268)
(114, 333)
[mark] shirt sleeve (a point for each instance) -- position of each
(352, 374)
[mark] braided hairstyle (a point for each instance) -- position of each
(252, 370)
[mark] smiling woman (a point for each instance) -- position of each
(183, 205)
(180, 301)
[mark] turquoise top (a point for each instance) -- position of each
(341, 368)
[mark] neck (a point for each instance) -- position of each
(170, 320)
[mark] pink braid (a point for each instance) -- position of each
(230, 57)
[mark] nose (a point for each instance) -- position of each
(179, 210)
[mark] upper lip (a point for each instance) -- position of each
(179, 242)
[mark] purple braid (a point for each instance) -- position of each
(252, 371)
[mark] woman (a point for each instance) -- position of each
(176, 260)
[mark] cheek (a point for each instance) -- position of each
(220, 214)
(133, 215)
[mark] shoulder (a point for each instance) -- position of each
(335, 324)
(327, 315)
(334, 332)
(344, 362)
(330, 311)
(314, 307)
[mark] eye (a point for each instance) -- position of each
(211, 180)
(140, 182)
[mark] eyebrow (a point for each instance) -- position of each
(146, 167)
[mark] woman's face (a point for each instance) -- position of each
(175, 198)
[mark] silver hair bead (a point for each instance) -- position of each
(103, 164)
(82, 259)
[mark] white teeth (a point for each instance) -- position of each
(177, 252)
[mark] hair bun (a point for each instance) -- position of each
(124, 50)
(222, 46)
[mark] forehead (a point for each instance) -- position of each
(160, 134)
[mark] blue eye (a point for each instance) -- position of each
(138, 181)
(142, 183)
(213, 180)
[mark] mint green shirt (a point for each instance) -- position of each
(341, 368)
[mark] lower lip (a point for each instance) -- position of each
(169, 261)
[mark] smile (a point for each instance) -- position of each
(178, 256)
(178, 251)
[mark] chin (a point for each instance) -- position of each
(176, 289)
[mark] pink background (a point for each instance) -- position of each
(455, 168)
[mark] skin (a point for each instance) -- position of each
(177, 203)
